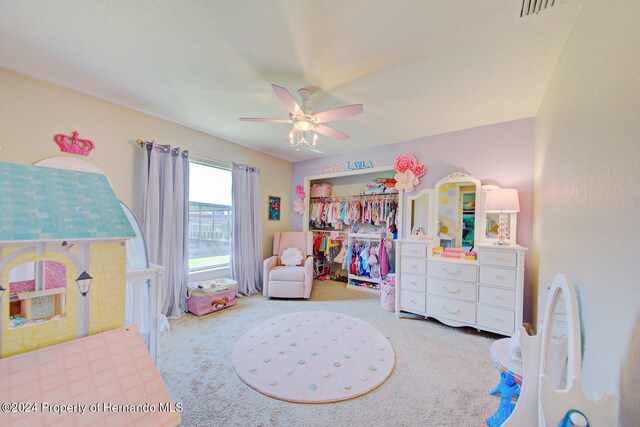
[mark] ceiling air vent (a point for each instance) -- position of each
(531, 7)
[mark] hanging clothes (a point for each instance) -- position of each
(341, 255)
(384, 260)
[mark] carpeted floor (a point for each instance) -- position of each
(442, 376)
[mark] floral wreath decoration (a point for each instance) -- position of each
(298, 204)
(408, 172)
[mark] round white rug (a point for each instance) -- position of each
(313, 357)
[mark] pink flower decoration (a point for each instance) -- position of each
(406, 162)
(419, 170)
(298, 206)
(406, 181)
(299, 191)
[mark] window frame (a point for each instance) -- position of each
(212, 268)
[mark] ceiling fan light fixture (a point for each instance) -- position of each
(303, 138)
(303, 124)
(307, 124)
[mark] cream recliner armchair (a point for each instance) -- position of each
(282, 281)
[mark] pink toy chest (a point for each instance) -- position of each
(320, 190)
(221, 294)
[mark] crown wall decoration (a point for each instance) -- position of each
(73, 144)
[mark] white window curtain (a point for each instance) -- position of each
(165, 221)
(246, 243)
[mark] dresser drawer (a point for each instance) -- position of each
(498, 276)
(413, 265)
(413, 249)
(502, 298)
(453, 271)
(413, 282)
(450, 289)
(413, 301)
(496, 318)
(498, 258)
(460, 311)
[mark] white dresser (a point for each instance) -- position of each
(486, 294)
(411, 296)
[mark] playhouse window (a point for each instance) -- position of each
(37, 292)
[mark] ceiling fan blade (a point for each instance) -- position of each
(330, 132)
(257, 119)
(287, 99)
(339, 113)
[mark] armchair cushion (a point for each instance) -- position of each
(291, 274)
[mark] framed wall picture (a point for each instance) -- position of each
(274, 208)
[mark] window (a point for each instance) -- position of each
(37, 293)
(209, 217)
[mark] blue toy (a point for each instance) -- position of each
(566, 421)
(507, 388)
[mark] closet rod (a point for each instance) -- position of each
(358, 196)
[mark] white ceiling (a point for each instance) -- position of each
(420, 67)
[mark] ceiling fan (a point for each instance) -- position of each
(305, 120)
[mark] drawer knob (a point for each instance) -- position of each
(455, 313)
(452, 273)
(414, 266)
(499, 297)
(499, 320)
(457, 291)
(500, 277)
(502, 259)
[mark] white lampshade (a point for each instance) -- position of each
(502, 200)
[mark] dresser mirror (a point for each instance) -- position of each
(488, 228)
(418, 215)
(455, 211)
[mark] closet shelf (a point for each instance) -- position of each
(363, 278)
(365, 235)
(363, 289)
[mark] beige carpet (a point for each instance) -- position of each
(442, 376)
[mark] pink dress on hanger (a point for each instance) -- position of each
(383, 260)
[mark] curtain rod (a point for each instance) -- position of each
(193, 157)
(165, 148)
(245, 167)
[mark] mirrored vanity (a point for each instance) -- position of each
(450, 267)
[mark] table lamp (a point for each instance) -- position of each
(503, 201)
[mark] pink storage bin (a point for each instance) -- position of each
(211, 296)
(320, 190)
(388, 293)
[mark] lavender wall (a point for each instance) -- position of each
(500, 154)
